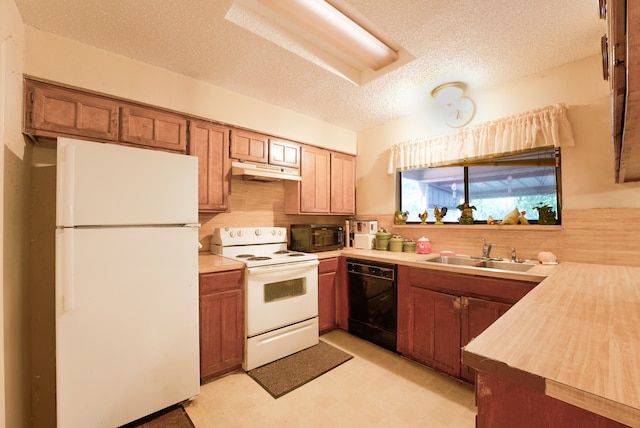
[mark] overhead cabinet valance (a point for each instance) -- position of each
(546, 127)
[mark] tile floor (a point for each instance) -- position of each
(376, 388)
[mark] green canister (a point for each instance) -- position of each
(395, 244)
(382, 241)
(409, 247)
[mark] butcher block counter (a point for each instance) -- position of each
(574, 338)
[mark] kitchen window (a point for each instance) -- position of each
(494, 186)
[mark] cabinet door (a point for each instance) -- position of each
(221, 333)
(249, 146)
(210, 143)
(221, 323)
(434, 329)
(314, 187)
(52, 110)
(284, 153)
(327, 294)
(477, 316)
(343, 176)
(153, 128)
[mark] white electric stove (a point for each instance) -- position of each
(281, 292)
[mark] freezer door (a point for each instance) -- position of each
(126, 323)
(107, 184)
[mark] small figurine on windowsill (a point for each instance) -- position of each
(438, 214)
(467, 213)
(515, 217)
(423, 217)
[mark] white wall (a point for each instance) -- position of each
(72, 63)
(587, 169)
(14, 322)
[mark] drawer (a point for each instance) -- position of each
(328, 265)
(220, 281)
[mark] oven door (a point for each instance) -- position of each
(280, 295)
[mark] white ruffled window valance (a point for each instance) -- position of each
(546, 127)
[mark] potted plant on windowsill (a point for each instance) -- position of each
(545, 214)
(466, 217)
(400, 217)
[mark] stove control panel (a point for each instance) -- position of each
(227, 236)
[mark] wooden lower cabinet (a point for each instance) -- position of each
(342, 295)
(327, 294)
(477, 316)
(440, 312)
(506, 403)
(221, 323)
(431, 328)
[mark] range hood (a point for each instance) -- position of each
(264, 172)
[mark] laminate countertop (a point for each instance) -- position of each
(210, 263)
(214, 263)
(576, 336)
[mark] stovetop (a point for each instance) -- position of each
(256, 246)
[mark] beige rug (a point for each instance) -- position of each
(288, 373)
(172, 417)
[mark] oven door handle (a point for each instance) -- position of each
(283, 267)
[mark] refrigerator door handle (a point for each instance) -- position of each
(68, 296)
(67, 186)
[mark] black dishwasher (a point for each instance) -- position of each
(373, 302)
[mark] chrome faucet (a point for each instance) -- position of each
(514, 258)
(486, 248)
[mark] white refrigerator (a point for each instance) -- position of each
(126, 284)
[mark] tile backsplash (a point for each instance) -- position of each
(256, 204)
(597, 235)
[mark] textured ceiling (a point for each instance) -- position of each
(482, 43)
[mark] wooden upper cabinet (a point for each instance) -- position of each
(284, 153)
(144, 126)
(327, 186)
(343, 184)
(51, 111)
(249, 146)
(210, 143)
(315, 186)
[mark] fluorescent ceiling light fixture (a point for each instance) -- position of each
(329, 33)
(335, 28)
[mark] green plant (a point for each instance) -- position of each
(465, 205)
(546, 215)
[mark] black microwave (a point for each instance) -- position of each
(312, 238)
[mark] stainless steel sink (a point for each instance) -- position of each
(481, 263)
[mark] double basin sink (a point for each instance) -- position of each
(482, 263)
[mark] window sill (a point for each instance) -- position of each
(519, 227)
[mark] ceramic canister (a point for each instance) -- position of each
(423, 246)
